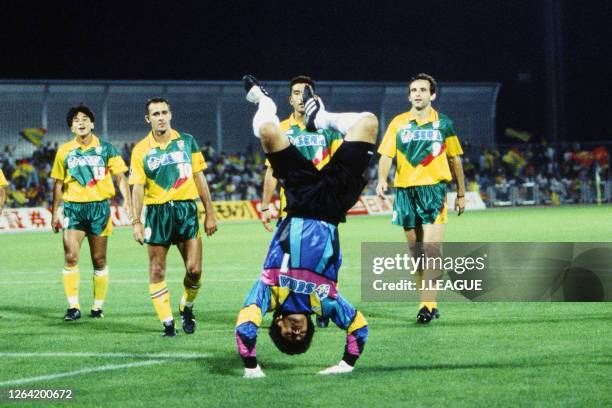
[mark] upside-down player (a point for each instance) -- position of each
(82, 171)
(300, 272)
(318, 146)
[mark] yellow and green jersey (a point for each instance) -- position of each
(421, 148)
(86, 170)
(317, 147)
(3, 182)
(166, 170)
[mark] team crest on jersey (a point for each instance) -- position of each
(153, 162)
(99, 150)
(323, 291)
(436, 124)
(181, 144)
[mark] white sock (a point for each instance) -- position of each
(101, 272)
(266, 113)
(341, 122)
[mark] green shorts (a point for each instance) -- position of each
(172, 222)
(420, 205)
(92, 217)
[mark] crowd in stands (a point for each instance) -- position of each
(559, 172)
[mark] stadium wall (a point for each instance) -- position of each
(30, 219)
(215, 111)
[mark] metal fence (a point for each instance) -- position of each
(585, 192)
(216, 111)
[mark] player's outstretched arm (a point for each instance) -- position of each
(384, 166)
(456, 168)
(346, 317)
(247, 325)
(269, 187)
(210, 220)
(58, 193)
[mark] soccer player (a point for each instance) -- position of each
(82, 171)
(3, 188)
(318, 146)
(427, 151)
(300, 271)
(167, 176)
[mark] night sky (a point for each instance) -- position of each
(334, 40)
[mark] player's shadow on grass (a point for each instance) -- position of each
(230, 365)
(51, 317)
(392, 322)
(525, 320)
(474, 366)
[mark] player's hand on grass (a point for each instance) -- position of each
(381, 189)
(256, 372)
(138, 232)
(460, 204)
(210, 224)
(341, 368)
(266, 216)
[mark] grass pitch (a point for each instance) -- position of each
(477, 354)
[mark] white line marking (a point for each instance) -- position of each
(184, 356)
(83, 371)
(112, 270)
(143, 281)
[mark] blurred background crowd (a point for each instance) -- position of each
(560, 173)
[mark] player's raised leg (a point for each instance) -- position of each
(265, 120)
(356, 127)
(98, 246)
(158, 289)
(70, 274)
(191, 251)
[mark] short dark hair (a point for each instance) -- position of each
(287, 346)
(301, 79)
(75, 110)
(425, 77)
(157, 99)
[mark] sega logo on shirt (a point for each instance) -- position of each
(92, 161)
(429, 135)
(174, 158)
(166, 159)
(308, 140)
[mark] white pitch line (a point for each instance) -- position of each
(83, 371)
(207, 270)
(145, 281)
(182, 356)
